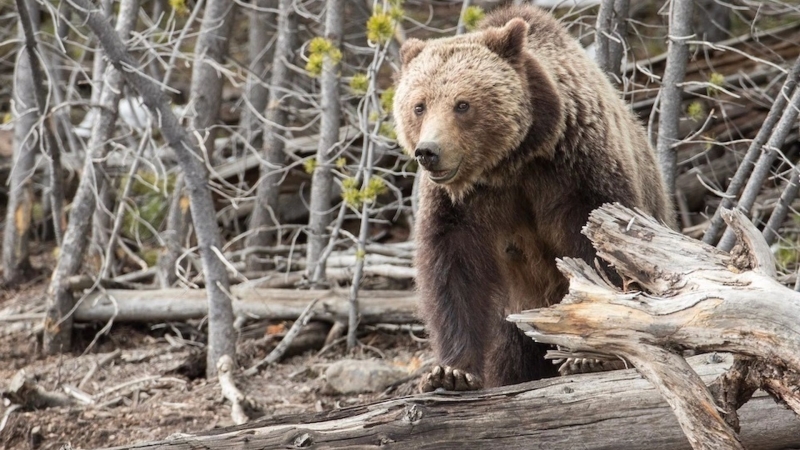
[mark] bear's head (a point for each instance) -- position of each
(464, 104)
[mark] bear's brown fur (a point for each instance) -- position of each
(522, 137)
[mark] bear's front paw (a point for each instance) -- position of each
(449, 379)
(574, 366)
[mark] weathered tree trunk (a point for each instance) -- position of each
(265, 212)
(101, 222)
(28, 19)
(615, 410)
(461, 28)
(322, 179)
(210, 51)
(36, 58)
(697, 297)
(680, 29)
(58, 323)
(221, 333)
(26, 143)
(101, 218)
(278, 304)
(205, 97)
(612, 25)
(178, 221)
(261, 53)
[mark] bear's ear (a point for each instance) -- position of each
(508, 41)
(410, 50)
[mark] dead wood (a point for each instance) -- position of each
(562, 413)
(238, 400)
(279, 304)
(24, 391)
(681, 295)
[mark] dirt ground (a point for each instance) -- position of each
(152, 384)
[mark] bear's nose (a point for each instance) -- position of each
(427, 154)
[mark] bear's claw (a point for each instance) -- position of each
(449, 379)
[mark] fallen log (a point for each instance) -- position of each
(613, 410)
(278, 304)
(24, 391)
(680, 294)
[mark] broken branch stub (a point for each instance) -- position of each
(695, 297)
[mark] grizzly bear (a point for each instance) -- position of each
(520, 136)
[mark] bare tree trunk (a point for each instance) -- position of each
(101, 217)
(221, 335)
(612, 25)
(101, 220)
(26, 143)
(256, 92)
(179, 304)
(178, 220)
(680, 26)
(322, 180)
(204, 100)
(58, 322)
(265, 211)
(462, 26)
(46, 124)
(206, 89)
(62, 128)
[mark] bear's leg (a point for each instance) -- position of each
(517, 358)
(457, 281)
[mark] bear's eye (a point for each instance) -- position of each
(419, 109)
(462, 107)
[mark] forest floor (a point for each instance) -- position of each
(153, 386)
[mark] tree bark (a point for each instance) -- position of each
(205, 97)
(616, 410)
(221, 333)
(256, 90)
(58, 323)
(322, 179)
(16, 260)
(461, 28)
(612, 25)
(101, 222)
(46, 125)
(265, 212)
(178, 221)
(274, 304)
(680, 29)
(210, 51)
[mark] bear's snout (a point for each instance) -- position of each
(427, 154)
